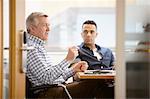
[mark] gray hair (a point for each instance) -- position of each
(32, 19)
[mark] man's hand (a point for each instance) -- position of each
(80, 66)
(72, 53)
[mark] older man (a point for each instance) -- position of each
(40, 71)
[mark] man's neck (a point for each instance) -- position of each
(92, 46)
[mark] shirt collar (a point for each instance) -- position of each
(84, 46)
(99, 49)
(36, 39)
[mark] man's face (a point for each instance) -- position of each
(42, 29)
(89, 34)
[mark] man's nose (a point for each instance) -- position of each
(89, 33)
(48, 28)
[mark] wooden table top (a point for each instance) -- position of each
(97, 74)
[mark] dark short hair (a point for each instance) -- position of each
(90, 22)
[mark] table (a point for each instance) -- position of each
(103, 75)
(94, 74)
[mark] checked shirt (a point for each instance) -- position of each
(39, 68)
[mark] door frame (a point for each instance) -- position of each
(120, 81)
(17, 25)
(1, 49)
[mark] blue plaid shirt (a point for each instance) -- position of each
(40, 70)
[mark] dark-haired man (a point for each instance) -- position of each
(97, 57)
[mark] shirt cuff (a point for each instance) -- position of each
(68, 73)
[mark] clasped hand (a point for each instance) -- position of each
(80, 66)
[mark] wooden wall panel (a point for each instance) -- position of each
(1, 49)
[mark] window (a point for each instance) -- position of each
(67, 16)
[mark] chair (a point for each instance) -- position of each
(32, 92)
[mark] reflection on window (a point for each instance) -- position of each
(67, 32)
(67, 16)
(137, 38)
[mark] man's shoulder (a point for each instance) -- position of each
(35, 47)
(105, 49)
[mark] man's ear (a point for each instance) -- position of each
(31, 28)
(96, 34)
(82, 34)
